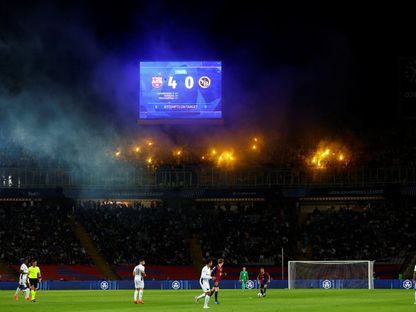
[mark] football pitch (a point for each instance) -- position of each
(230, 300)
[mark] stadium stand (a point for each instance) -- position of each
(372, 231)
(62, 272)
(124, 234)
(246, 234)
(38, 230)
(7, 278)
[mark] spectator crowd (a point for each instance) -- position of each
(123, 235)
(375, 231)
(246, 234)
(242, 233)
(39, 230)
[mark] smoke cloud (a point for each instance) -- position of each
(69, 90)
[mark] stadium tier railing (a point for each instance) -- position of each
(202, 177)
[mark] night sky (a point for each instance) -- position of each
(292, 68)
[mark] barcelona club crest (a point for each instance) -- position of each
(157, 82)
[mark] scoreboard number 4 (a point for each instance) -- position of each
(172, 83)
(204, 82)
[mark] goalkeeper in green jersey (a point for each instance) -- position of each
(243, 278)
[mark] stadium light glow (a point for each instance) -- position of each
(328, 154)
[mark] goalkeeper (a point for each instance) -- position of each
(243, 278)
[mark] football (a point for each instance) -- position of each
(260, 295)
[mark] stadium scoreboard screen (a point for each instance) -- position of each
(180, 92)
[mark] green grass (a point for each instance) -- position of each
(231, 300)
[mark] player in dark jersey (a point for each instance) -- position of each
(218, 273)
(263, 280)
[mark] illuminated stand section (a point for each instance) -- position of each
(331, 274)
(177, 92)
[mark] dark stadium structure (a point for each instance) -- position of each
(85, 226)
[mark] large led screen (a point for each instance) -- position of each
(180, 91)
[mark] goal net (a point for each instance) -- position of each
(331, 274)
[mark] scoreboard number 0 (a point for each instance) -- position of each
(189, 82)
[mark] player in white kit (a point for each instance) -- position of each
(204, 282)
(139, 275)
(414, 281)
(23, 282)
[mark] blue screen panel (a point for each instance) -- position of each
(180, 90)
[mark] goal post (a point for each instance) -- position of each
(331, 274)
